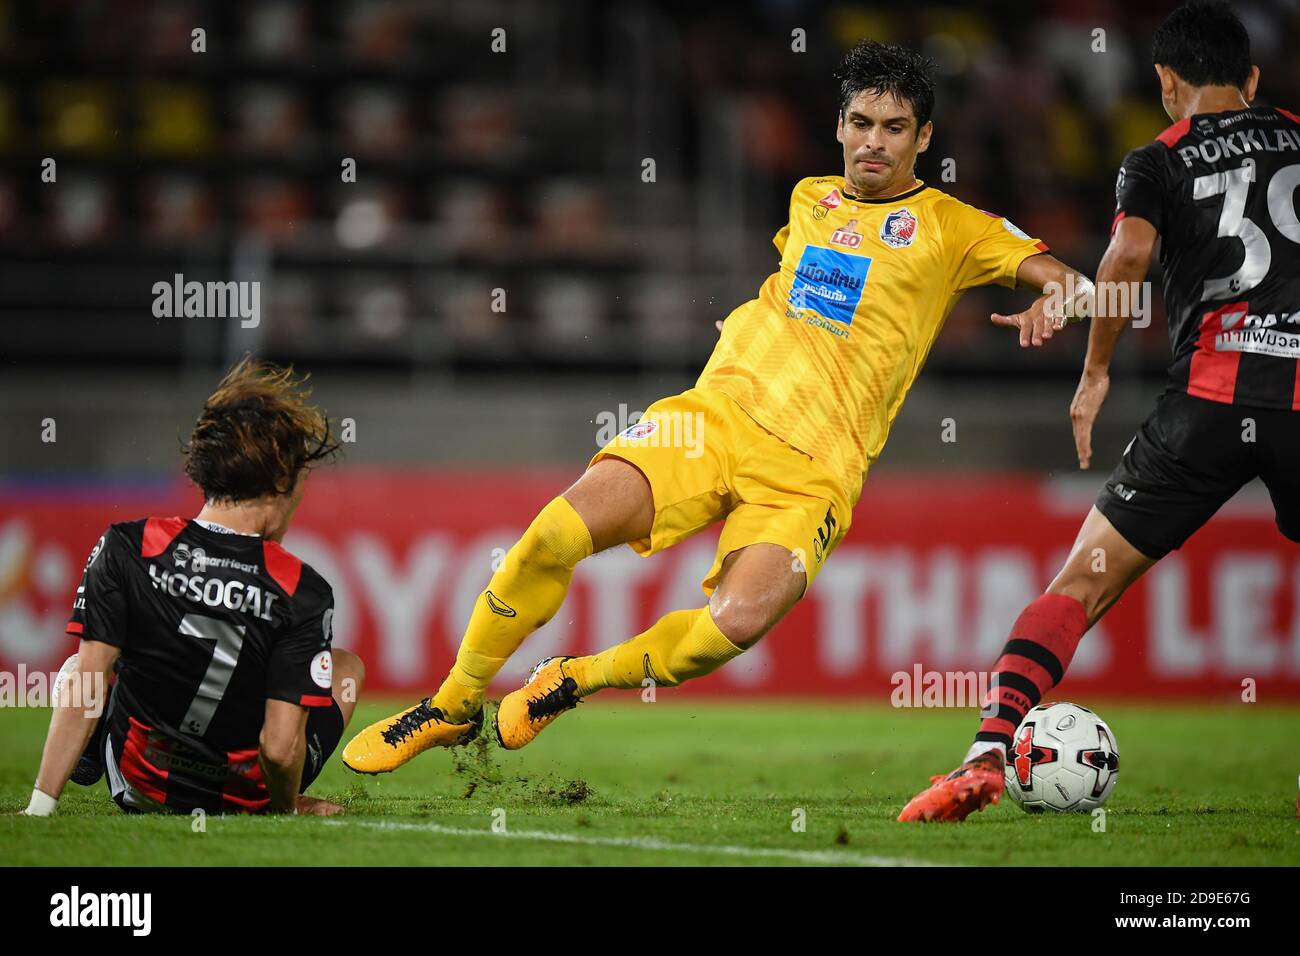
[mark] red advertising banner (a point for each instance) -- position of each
(929, 579)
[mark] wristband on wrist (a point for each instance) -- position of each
(41, 804)
(1079, 305)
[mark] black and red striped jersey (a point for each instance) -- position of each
(1219, 188)
(211, 624)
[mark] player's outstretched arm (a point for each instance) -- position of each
(282, 751)
(1123, 266)
(1066, 297)
(77, 711)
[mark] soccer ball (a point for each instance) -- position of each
(1063, 758)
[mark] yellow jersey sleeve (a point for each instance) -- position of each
(985, 248)
(783, 234)
(780, 238)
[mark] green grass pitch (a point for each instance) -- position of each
(692, 782)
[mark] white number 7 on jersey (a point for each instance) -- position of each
(227, 641)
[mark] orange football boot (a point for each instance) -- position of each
(547, 693)
(971, 787)
(387, 744)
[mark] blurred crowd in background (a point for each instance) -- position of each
(522, 170)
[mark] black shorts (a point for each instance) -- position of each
(1189, 457)
(324, 731)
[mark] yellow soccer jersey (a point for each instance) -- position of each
(825, 355)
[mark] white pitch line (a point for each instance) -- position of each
(831, 857)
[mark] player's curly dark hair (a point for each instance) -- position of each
(888, 68)
(256, 434)
(1205, 43)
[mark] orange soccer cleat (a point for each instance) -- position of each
(387, 744)
(971, 787)
(547, 693)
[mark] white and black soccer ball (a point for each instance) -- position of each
(1063, 758)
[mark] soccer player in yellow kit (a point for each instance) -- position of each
(795, 404)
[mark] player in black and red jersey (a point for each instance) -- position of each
(227, 695)
(1217, 188)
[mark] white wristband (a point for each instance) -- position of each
(41, 805)
(1080, 305)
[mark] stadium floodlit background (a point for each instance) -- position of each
(501, 278)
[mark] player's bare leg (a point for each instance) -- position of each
(1100, 568)
(757, 585)
(610, 504)
(349, 677)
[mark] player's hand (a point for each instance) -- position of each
(1036, 323)
(1088, 398)
(316, 807)
(718, 324)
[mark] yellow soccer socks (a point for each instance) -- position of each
(679, 646)
(523, 594)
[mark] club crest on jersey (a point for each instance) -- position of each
(848, 236)
(898, 229)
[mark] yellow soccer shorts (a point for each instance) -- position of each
(706, 459)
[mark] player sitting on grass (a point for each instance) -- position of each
(227, 695)
(794, 405)
(1217, 189)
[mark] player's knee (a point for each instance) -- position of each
(1089, 590)
(743, 621)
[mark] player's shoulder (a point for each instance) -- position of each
(962, 222)
(1211, 125)
(947, 202)
(952, 209)
(130, 536)
(817, 187)
(1155, 155)
(295, 577)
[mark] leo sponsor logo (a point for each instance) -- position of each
(848, 236)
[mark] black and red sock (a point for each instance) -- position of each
(1033, 661)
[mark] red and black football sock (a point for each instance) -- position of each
(1033, 661)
